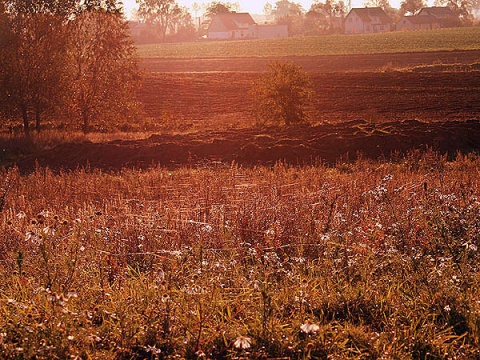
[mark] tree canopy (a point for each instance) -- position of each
(65, 59)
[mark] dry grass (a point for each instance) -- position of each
(361, 261)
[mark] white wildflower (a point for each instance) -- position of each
(309, 327)
(243, 342)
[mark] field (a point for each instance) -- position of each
(355, 236)
(421, 41)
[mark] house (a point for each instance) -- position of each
(367, 21)
(230, 26)
(268, 31)
(242, 26)
(416, 22)
(443, 15)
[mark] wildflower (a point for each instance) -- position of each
(447, 308)
(309, 327)
(242, 342)
(70, 337)
(153, 350)
(200, 354)
(32, 237)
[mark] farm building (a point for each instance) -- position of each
(242, 26)
(416, 22)
(230, 26)
(268, 31)
(367, 21)
(443, 15)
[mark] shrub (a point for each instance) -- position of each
(282, 95)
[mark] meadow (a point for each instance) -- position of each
(394, 42)
(205, 242)
(363, 260)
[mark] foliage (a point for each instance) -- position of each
(58, 56)
(103, 69)
(463, 8)
(217, 7)
(394, 42)
(411, 7)
(282, 95)
(160, 13)
(364, 260)
(32, 53)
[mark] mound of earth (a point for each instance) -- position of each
(327, 143)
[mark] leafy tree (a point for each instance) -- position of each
(32, 54)
(285, 8)
(463, 8)
(217, 7)
(392, 13)
(103, 68)
(321, 16)
(411, 7)
(182, 25)
(283, 94)
(160, 13)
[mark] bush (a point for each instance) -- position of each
(283, 94)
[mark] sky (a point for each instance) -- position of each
(252, 6)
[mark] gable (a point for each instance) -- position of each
(231, 22)
(371, 15)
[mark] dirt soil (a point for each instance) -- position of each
(207, 93)
(363, 105)
(328, 143)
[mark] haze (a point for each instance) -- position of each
(254, 7)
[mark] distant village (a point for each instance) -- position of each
(328, 18)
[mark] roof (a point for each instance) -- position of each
(424, 19)
(366, 14)
(438, 11)
(231, 21)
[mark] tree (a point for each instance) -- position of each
(103, 68)
(321, 16)
(290, 14)
(463, 8)
(385, 5)
(217, 7)
(283, 94)
(32, 55)
(159, 13)
(285, 8)
(411, 7)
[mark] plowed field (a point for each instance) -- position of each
(376, 106)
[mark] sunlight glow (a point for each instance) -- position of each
(253, 7)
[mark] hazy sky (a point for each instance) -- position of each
(252, 6)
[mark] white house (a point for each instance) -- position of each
(367, 21)
(416, 22)
(230, 26)
(242, 26)
(268, 31)
(443, 15)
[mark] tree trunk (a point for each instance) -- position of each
(38, 115)
(26, 128)
(86, 122)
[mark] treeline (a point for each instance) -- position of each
(70, 62)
